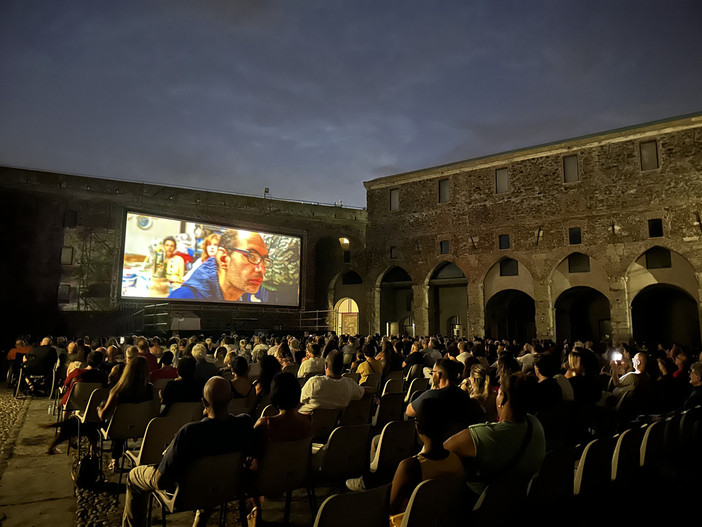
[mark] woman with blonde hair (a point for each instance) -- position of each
(479, 385)
(133, 386)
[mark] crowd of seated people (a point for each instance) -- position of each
(475, 381)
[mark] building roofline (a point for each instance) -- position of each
(690, 120)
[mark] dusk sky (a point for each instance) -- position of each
(311, 98)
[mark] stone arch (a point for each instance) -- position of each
(582, 313)
(448, 299)
(665, 313)
(562, 279)
(510, 314)
(642, 272)
(493, 282)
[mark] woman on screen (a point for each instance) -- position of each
(209, 249)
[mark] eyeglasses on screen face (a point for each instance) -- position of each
(254, 258)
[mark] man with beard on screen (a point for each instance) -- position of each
(235, 274)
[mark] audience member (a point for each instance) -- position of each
(218, 433)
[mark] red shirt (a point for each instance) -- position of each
(169, 372)
(152, 360)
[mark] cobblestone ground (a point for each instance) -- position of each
(94, 508)
(12, 413)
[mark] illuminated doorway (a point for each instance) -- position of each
(346, 312)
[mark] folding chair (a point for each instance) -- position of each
(397, 441)
(283, 467)
(358, 412)
(129, 421)
(89, 416)
(390, 408)
(324, 420)
(210, 482)
(343, 456)
(435, 502)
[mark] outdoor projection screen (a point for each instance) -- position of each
(169, 259)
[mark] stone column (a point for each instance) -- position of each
(699, 295)
(420, 308)
(374, 314)
(544, 310)
(476, 310)
(620, 311)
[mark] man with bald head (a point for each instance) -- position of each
(235, 274)
(218, 433)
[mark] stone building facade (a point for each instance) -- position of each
(596, 238)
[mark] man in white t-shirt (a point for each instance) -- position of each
(313, 363)
(330, 390)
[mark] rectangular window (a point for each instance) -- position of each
(578, 263)
(393, 252)
(658, 258)
(575, 236)
(655, 228)
(570, 169)
(347, 256)
(502, 180)
(444, 247)
(67, 256)
(444, 194)
(649, 155)
(395, 199)
(64, 293)
(509, 267)
(504, 241)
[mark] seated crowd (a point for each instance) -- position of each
(492, 407)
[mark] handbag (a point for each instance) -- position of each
(86, 471)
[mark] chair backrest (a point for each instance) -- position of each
(353, 509)
(354, 375)
(269, 411)
(130, 420)
(186, 411)
(416, 385)
(159, 433)
(652, 445)
(324, 420)
(209, 482)
(346, 454)
(416, 371)
(397, 442)
(393, 386)
(594, 467)
(626, 459)
(435, 502)
(358, 412)
(80, 395)
(390, 408)
(160, 384)
(395, 374)
(90, 414)
(512, 490)
(690, 424)
(554, 481)
(373, 381)
(283, 467)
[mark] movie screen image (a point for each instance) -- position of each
(167, 259)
